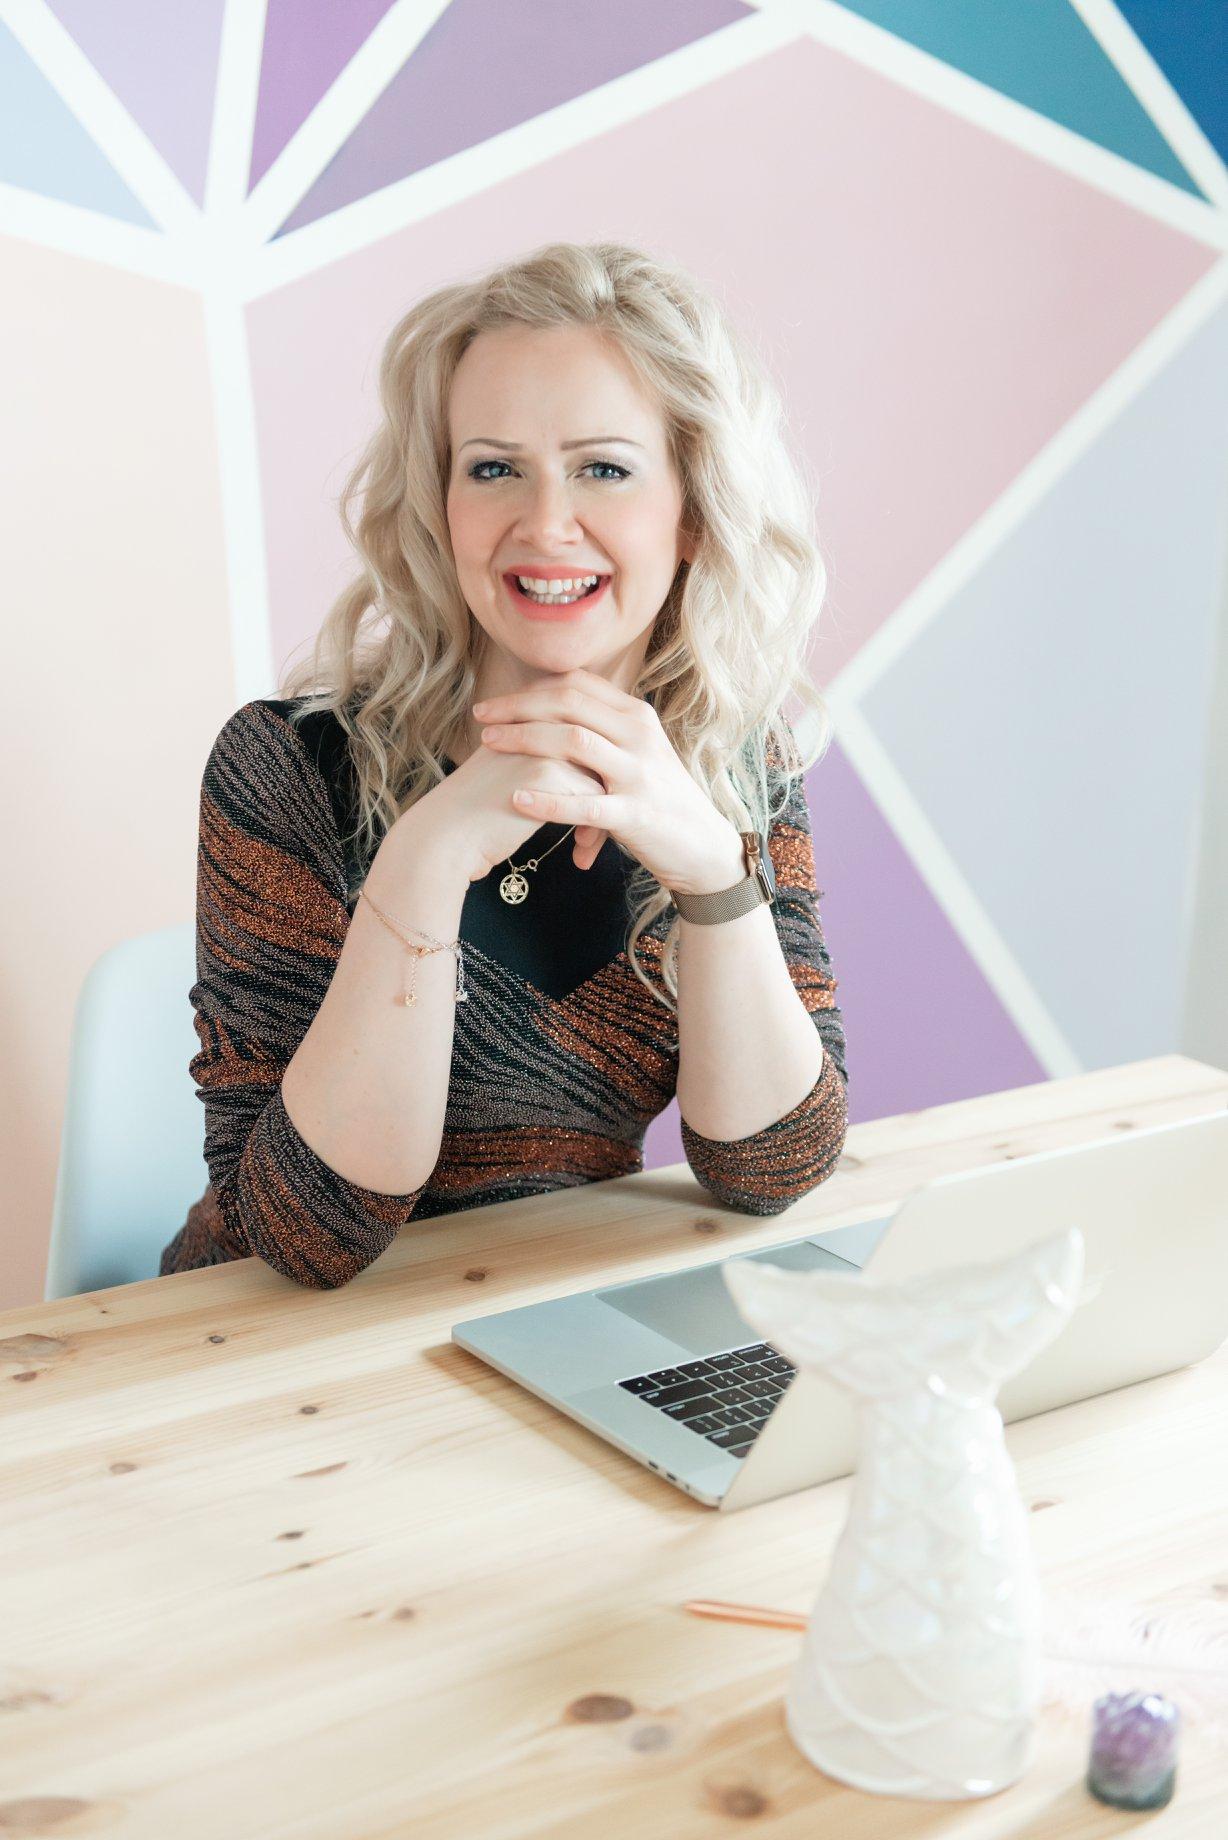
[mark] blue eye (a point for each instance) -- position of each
(475, 471)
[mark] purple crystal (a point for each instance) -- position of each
(1134, 1750)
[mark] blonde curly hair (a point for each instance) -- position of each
(396, 657)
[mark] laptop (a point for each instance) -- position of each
(666, 1369)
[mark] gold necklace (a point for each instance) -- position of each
(513, 887)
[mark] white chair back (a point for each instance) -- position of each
(132, 1145)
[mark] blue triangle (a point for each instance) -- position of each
(45, 149)
(1190, 44)
(1040, 54)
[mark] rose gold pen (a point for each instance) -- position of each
(745, 1613)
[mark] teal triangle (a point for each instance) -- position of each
(45, 149)
(1040, 54)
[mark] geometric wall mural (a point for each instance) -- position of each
(982, 247)
(1088, 635)
(1189, 44)
(44, 148)
(161, 63)
(963, 298)
(1046, 57)
(499, 65)
(306, 45)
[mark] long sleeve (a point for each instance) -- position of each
(271, 919)
(769, 1170)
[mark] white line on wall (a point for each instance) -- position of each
(101, 113)
(239, 486)
(473, 170)
(1018, 124)
(347, 101)
(1140, 71)
(953, 892)
(1038, 479)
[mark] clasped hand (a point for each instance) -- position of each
(650, 804)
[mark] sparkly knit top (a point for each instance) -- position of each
(560, 1060)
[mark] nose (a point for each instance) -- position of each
(547, 520)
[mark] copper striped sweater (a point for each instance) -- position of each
(560, 1059)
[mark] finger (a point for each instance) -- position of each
(589, 842)
(588, 683)
(559, 741)
(586, 854)
(561, 704)
(569, 807)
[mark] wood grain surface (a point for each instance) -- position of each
(278, 1562)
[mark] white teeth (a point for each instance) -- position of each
(579, 586)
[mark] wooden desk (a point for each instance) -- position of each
(276, 1562)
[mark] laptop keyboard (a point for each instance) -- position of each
(725, 1398)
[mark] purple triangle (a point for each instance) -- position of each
(161, 61)
(922, 1023)
(307, 43)
(487, 65)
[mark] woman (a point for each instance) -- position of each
(580, 530)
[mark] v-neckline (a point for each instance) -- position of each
(603, 913)
(618, 961)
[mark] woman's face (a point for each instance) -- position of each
(561, 469)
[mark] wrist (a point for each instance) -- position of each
(723, 864)
(417, 845)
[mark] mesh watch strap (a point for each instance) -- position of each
(758, 885)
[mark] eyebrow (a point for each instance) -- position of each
(511, 447)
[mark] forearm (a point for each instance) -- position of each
(748, 1050)
(367, 1087)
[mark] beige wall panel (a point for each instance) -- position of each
(117, 666)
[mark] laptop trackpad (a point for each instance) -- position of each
(695, 1308)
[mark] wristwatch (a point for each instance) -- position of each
(758, 885)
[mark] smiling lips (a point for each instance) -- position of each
(564, 610)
